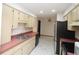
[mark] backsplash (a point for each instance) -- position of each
(21, 30)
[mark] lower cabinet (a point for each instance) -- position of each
(18, 52)
(24, 48)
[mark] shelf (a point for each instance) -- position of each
(75, 24)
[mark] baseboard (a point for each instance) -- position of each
(46, 35)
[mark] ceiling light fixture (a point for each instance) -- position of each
(53, 10)
(41, 12)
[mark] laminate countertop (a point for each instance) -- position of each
(14, 42)
(69, 40)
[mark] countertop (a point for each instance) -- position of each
(14, 42)
(69, 40)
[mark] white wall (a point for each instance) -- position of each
(47, 28)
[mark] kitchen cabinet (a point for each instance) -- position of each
(29, 21)
(73, 18)
(21, 18)
(30, 45)
(74, 15)
(15, 19)
(78, 13)
(69, 21)
(11, 18)
(70, 18)
(26, 17)
(7, 17)
(26, 20)
(34, 22)
(23, 48)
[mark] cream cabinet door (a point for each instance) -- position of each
(22, 18)
(74, 15)
(30, 21)
(26, 18)
(7, 17)
(24, 48)
(28, 47)
(78, 13)
(34, 22)
(69, 21)
(15, 18)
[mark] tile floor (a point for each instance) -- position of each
(45, 46)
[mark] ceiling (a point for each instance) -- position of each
(35, 8)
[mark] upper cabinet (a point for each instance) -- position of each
(25, 18)
(69, 20)
(21, 18)
(74, 14)
(12, 19)
(73, 18)
(29, 21)
(78, 13)
(15, 19)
